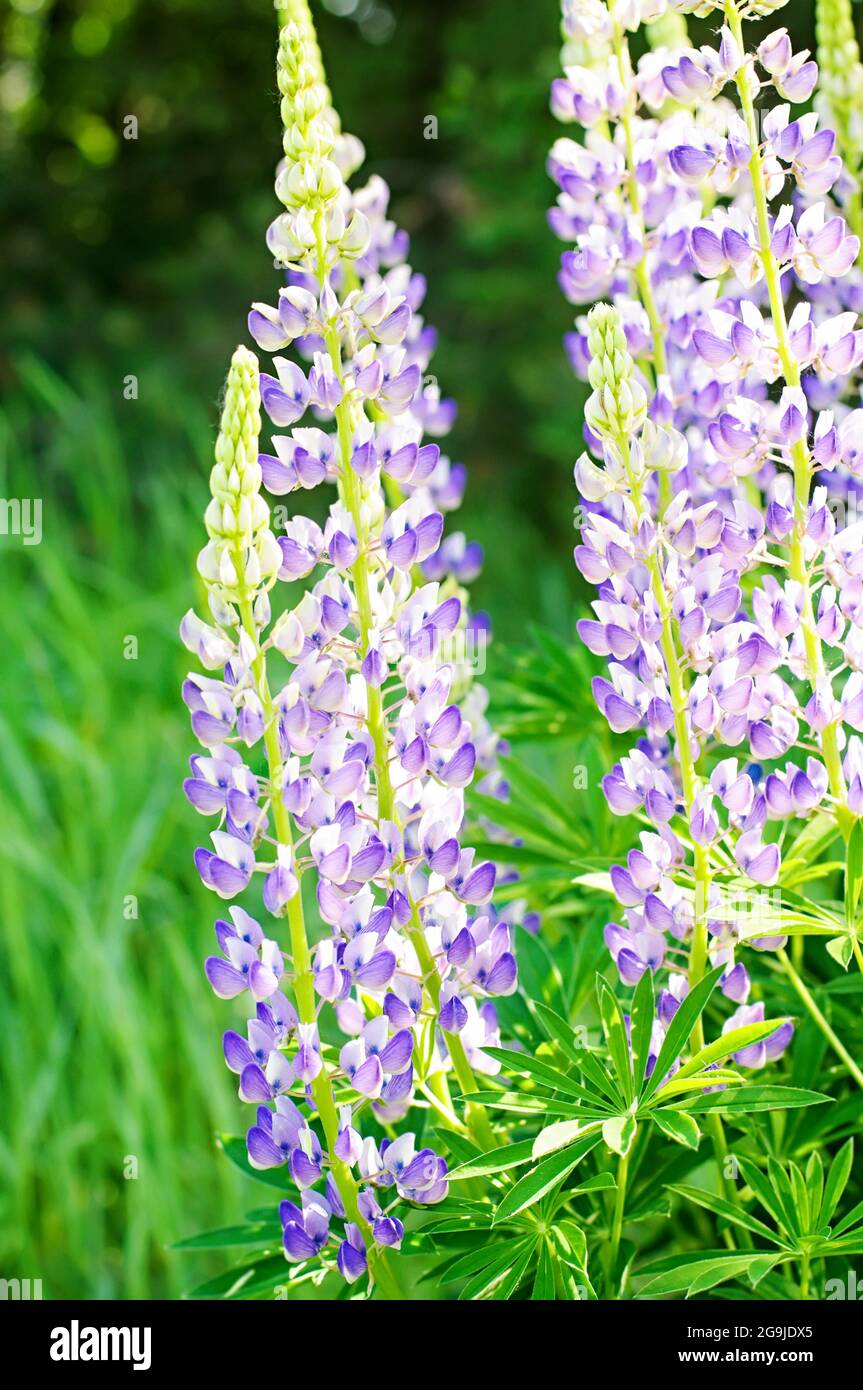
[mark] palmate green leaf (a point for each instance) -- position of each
(751, 1100)
(614, 1028)
(680, 1030)
(677, 1125)
(224, 1237)
(526, 784)
(727, 1210)
(755, 1270)
(540, 1180)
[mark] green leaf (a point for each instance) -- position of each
(718, 1205)
(849, 1220)
(619, 1132)
(245, 1280)
(677, 1125)
(558, 1030)
(491, 1253)
(709, 1278)
(749, 1100)
(511, 1283)
(853, 875)
(815, 1188)
(841, 949)
(543, 1283)
(522, 1064)
(495, 1161)
(614, 1029)
(680, 1029)
(837, 1180)
(678, 1086)
(543, 1178)
(641, 1027)
(784, 1195)
(557, 1136)
(600, 1077)
(600, 1182)
(698, 1275)
(756, 1180)
(226, 1236)
(492, 1271)
(722, 1047)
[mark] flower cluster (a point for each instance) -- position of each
(729, 604)
(340, 728)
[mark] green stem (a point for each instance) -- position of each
(819, 1018)
(617, 1224)
(804, 1277)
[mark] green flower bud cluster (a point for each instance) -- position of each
(618, 406)
(242, 554)
(840, 99)
(297, 12)
(319, 157)
(309, 177)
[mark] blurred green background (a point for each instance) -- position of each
(138, 258)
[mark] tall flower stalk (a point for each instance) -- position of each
(723, 580)
(344, 725)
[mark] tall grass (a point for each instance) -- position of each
(109, 1044)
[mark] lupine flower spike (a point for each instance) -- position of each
(340, 726)
(728, 599)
